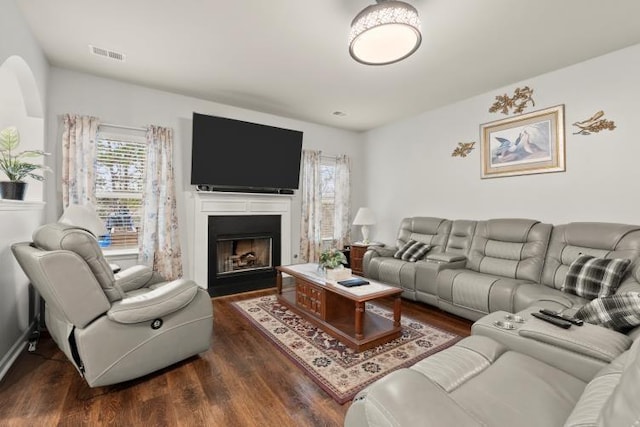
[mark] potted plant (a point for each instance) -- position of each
(16, 165)
(332, 263)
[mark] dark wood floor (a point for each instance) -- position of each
(242, 381)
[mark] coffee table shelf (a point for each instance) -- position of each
(339, 311)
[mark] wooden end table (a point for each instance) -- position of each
(357, 252)
(356, 256)
(338, 310)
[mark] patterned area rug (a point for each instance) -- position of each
(336, 368)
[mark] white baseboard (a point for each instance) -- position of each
(15, 350)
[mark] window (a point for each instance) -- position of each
(120, 172)
(328, 200)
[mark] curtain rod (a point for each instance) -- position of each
(325, 154)
(111, 125)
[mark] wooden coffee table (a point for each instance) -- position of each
(338, 310)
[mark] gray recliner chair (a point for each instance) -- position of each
(112, 327)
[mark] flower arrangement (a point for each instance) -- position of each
(331, 259)
(15, 165)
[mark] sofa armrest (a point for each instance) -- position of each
(136, 277)
(374, 252)
(580, 350)
(381, 251)
(445, 257)
(154, 304)
(591, 340)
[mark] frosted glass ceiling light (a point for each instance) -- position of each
(384, 33)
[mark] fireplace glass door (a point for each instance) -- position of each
(243, 254)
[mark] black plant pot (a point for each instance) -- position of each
(13, 190)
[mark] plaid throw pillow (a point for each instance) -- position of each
(403, 249)
(412, 251)
(591, 277)
(617, 312)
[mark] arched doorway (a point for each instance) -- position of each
(21, 106)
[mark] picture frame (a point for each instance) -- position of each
(527, 144)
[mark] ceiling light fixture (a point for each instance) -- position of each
(384, 33)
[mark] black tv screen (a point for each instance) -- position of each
(240, 155)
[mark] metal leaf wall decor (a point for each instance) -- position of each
(594, 124)
(521, 97)
(463, 149)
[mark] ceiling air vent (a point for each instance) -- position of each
(106, 53)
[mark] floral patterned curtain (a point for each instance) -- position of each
(159, 241)
(310, 236)
(78, 157)
(342, 203)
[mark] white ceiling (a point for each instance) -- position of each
(290, 58)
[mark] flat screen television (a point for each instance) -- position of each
(232, 155)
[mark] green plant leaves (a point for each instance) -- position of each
(31, 153)
(13, 165)
(9, 138)
(332, 258)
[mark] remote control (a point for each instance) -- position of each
(573, 320)
(553, 320)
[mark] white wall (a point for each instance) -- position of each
(126, 104)
(23, 83)
(26, 114)
(410, 171)
(17, 222)
(18, 40)
(24, 73)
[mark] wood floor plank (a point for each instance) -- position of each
(243, 380)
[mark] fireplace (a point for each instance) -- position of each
(236, 254)
(213, 204)
(243, 252)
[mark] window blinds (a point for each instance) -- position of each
(120, 171)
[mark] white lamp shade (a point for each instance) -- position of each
(84, 216)
(364, 216)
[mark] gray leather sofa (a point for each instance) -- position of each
(483, 382)
(534, 373)
(478, 267)
(113, 328)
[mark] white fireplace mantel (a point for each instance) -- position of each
(208, 204)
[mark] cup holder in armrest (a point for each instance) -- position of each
(504, 324)
(514, 318)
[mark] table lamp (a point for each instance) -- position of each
(364, 218)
